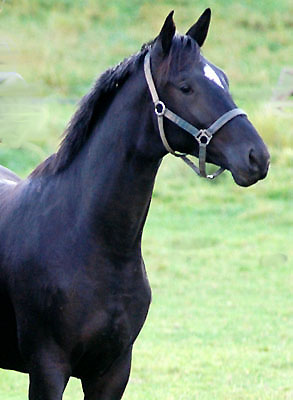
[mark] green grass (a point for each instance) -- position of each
(219, 257)
(221, 322)
(76, 40)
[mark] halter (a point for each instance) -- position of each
(203, 136)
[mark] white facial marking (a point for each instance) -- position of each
(211, 74)
(8, 182)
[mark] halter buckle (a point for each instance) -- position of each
(160, 108)
(203, 137)
(211, 177)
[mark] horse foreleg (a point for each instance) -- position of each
(111, 385)
(49, 374)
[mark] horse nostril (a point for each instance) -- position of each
(253, 160)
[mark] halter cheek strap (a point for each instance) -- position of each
(202, 136)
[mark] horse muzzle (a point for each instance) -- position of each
(253, 168)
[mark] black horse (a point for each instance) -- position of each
(73, 287)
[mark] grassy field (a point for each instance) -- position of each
(219, 257)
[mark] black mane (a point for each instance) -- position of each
(92, 104)
(90, 107)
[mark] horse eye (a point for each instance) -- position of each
(185, 89)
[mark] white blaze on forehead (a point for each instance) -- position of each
(211, 74)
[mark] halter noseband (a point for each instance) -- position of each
(203, 136)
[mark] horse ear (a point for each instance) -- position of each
(167, 32)
(199, 30)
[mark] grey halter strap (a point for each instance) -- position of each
(203, 136)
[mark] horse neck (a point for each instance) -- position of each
(117, 169)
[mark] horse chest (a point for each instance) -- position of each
(111, 327)
(118, 316)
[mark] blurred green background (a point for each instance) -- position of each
(219, 257)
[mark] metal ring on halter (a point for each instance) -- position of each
(203, 137)
(160, 105)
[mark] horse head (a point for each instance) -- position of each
(191, 87)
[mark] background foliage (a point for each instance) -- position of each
(219, 257)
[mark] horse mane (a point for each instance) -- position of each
(91, 107)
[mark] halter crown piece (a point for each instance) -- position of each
(203, 136)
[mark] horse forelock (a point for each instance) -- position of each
(183, 53)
